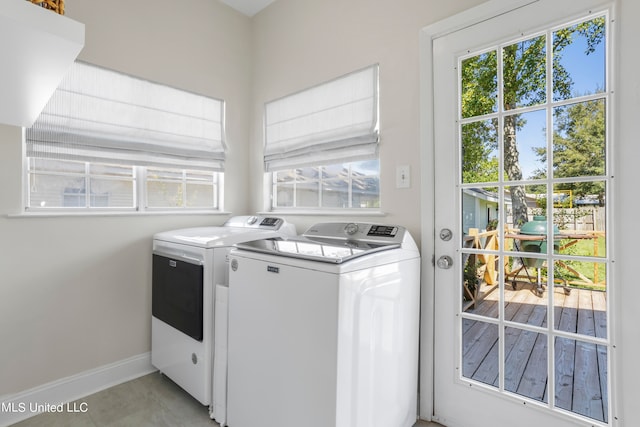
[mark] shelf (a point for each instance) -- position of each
(39, 47)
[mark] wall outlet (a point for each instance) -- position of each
(403, 176)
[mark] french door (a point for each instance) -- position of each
(522, 200)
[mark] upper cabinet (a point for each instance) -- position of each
(39, 47)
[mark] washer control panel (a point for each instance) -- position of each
(383, 230)
(364, 232)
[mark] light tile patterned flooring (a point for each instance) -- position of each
(149, 401)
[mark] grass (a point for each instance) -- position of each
(595, 272)
(590, 275)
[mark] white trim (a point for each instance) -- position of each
(61, 214)
(475, 15)
(427, 185)
(74, 387)
(329, 212)
(429, 33)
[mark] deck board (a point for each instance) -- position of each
(534, 378)
(580, 367)
(587, 397)
(600, 321)
(519, 355)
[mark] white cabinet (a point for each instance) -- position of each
(38, 47)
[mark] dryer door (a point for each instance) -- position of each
(177, 294)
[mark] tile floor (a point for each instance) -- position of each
(149, 401)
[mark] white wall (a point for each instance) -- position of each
(300, 43)
(75, 292)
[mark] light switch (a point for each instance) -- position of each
(403, 176)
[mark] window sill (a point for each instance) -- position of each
(53, 214)
(307, 212)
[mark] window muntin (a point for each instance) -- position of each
(354, 185)
(179, 188)
(535, 170)
(72, 185)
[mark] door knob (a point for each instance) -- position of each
(445, 262)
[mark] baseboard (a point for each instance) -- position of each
(15, 408)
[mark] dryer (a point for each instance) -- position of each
(189, 281)
(323, 328)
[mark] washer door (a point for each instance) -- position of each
(177, 294)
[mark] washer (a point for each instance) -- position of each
(190, 275)
(323, 328)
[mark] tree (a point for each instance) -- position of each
(578, 147)
(524, 81)
(479, 138)
(524, 76)
(479, 163)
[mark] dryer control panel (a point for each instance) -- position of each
(255, 221)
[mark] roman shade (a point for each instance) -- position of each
(333, 122)
(101, 115)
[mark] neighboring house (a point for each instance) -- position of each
(479, 207)
(482, 206)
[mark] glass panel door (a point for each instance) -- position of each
(533, 192)
(523, 180)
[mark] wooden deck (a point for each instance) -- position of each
(581, 367)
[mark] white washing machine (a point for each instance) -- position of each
(189, 294)
(323, 328)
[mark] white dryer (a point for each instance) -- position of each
(323, 328)
(188, 266)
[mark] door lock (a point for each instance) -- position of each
(445, 262)
(446, 234)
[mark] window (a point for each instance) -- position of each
(343, 185)
(175, 188)
(70, 184)
(55, 184)
(107, 140)
(321, 145)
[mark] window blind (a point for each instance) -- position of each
(102, 115)
(334, 122)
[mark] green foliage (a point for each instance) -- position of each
(479, 79)
(584, 248)
(579, 135)
(524, 65)
(479, 141)
(579, 146)
(470, 276)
